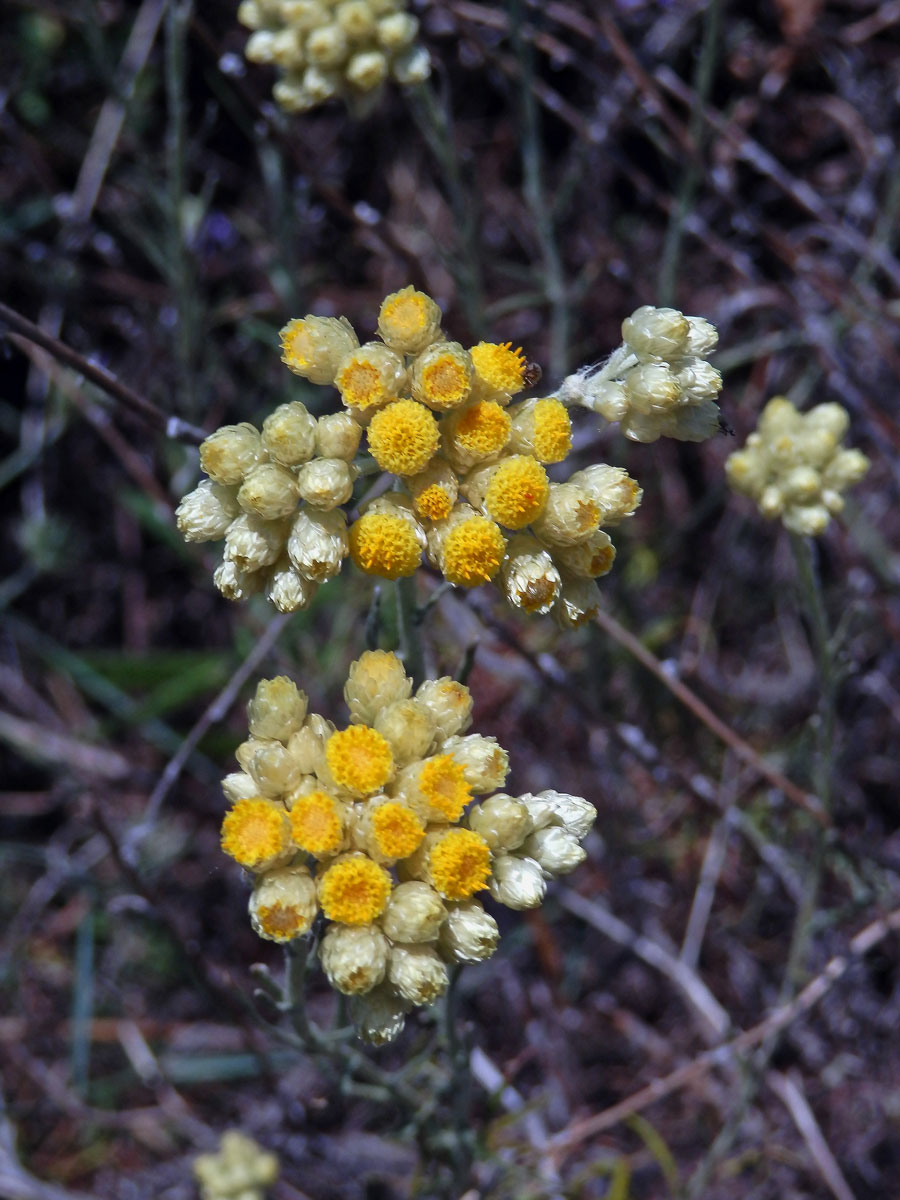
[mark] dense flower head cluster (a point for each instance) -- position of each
(473, 495)
(240, 1170)
(334, 48)
(794, 466)
(390, 828)
(658, 383)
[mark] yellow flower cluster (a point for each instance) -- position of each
(794, 466)
(274, 495)
(330, 48)
(374, 826)
(241, 1170)
(658, 383)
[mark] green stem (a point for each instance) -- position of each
(409, 628)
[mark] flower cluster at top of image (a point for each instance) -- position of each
(334, 48)
(374, 826)
(469, 459)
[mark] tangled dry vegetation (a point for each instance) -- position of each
(709, 1007)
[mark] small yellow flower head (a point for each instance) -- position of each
(359, 759)
(517, 491)
(391, 830)
(617, 494)
(317, 824)
(588, 559)
(289, 434)
(475, 433)
(241, 1170)
(354, 957)
(499, 368)
(354, 890)
(314, 346)
(434, 491)
(442, 376)
(409, 320)
(376, 680)
(541, 428)
(436, 788)
(529, 578)
(283, 903)
(467, 547)
(403, 437)
(386, 544)
(256, 833)
(459, 864)
(370, 377)
(277, 709)
(230, 453)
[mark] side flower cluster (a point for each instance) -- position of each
(794, 466)
(330, 48)
(240, 1170)
(658, 383)
(373, 825)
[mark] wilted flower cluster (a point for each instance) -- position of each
(794, 466)
(330, 48)
(374, 825)
(241, 1170)
(470, 460)
(658, 383)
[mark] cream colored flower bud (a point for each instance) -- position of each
(288, 590)
(590, 559)
(307, 746)
(318, 544)
(571, 514)
(337, 436)
(578, 602)
(693, 422)
(379, 1015)
(397, 31)
(292, 96)
(450, 705)
(321, 84)
(702, 337)
(260, 47)
(269, 491)
(370, 377)
(573, 813)
(287, 49)
(314, 346)
(555, 849)
(205, 513)
(845, 469)
(409, 320)
(277, 709)
(354, 957)
(417, 974)
(502, 821)
(651, 386)
(289, 434)
(607, 397)
(746, 472)
(252, 543)
(230, 453)
(375, 681)
(283, 903)
(528, 576)
(807, 520)
(304, 14)
(613, 489)
(833, 418)
(326, 482)
(698, 381)
(442, 376)
(249, 14)
(414, 914)
(484, 762)
(801, 485)
(408, 727)
(327, 46)
(412, 67)
(517, 882)
(356, 19)
(239, 786)
(656, 332)
(469, 934)
(272, 766)
(241, 1170)
(367, 71)
(235, 584)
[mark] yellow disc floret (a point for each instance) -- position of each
(316, 824)
(483, 429)
(434, 502)
(403, 437)
(361, 385)
(472, 552)
(552, 431)
(255, 832)
(442, 376)
(517, 492)
(409, 320)
(354, 890)
(460, 864)
(442, 783)
(499, 366)
(397, 830)
(360, 759)
(281, 922)
(385, 545)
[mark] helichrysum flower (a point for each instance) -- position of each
(658, 383)
(795, 467)
(334, 48)
(388, 829)
(240, 1170)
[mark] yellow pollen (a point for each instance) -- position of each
(255, 831)
(460, 864)
(517, 492)
(385, 545)
(472, 552)
(484, 428)
(360, 759)
(499, 366)
(360, 384)
(296, 344)
(281, 922)
(442, 782)
(397, 830)
(354, 891)
(552, 431)
(316, 823)
(435, 503)
(445, 382)
(403, 437)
